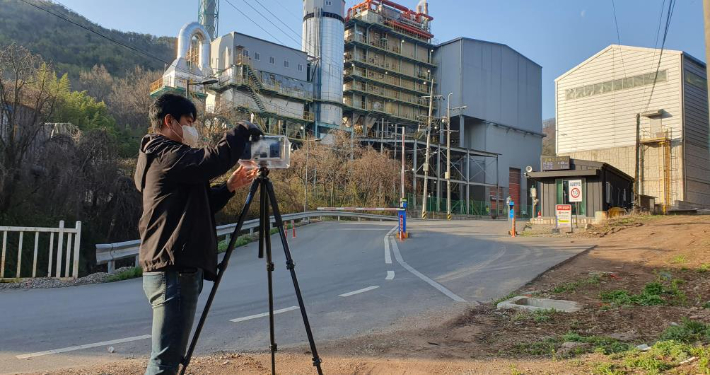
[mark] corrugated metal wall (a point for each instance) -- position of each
(695, 102)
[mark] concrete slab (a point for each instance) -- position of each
(532, 304)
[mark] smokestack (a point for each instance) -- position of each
(423, 7)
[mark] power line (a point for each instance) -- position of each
(655, 44)
(669, 17)
(275, 16)
(271, 22)
(270, 34)
(618, 37)
(96, 32)
(136, 50)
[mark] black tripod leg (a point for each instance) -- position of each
(220, 272)
(266, 229)
(291, 267)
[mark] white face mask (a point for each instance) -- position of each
(189, 135)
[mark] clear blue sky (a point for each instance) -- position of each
(557, 34)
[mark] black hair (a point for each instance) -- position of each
(170, 104)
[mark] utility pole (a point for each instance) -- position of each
(402, 182)
(637, 190)
(706, 11)
(305, 184)
(426, 157)
(448, 153)
(448, 156)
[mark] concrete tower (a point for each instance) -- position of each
(323, 38)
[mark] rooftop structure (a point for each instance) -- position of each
(388, 65)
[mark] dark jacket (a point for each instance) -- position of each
(177, 228)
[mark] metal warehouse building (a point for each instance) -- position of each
(502, 92)
(599, 100)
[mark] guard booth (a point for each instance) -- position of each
(602, 187)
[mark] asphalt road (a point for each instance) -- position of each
(354, 278)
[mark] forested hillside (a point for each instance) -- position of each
(72, 49)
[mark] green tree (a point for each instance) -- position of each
(80, 109)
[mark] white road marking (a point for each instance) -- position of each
(250, 317)
(418, 274)
(388, 256)
(390, 275)
(363, 290)
(80, 347)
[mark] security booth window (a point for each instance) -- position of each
(563, 196)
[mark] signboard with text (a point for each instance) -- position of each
(554, 163)
(563, 212)
(575, 190)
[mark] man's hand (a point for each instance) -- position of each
(243, 176)
(252, 129)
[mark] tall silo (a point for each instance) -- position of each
(323, 33)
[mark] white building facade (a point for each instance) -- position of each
(597, 104)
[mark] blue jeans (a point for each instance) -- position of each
(173, 297)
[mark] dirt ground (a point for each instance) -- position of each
(614, 282)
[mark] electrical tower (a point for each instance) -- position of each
(208, 16)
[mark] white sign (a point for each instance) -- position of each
(564, 215)
(575, 190)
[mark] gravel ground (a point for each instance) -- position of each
(50, 282)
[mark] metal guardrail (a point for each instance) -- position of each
(110, 253)
(73, 244)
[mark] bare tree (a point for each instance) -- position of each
(130, 99)
(97, 82)
(28, 93)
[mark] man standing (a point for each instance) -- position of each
(177, 229)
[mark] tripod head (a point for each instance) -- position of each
(263, 171)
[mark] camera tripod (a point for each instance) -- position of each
(267, 198)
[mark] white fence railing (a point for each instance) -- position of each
(57, 261)
(110, 253)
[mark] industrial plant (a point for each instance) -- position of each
(466, 114)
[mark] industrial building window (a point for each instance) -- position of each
(272, 60)
(616, 85)
(328, 3)
(695, 80)
(285, 63)
(257, 56)
(245, 53)
(300, 67)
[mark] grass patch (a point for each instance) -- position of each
(501, 299)
(571, 287)
(655, 293)
(543, 316)
(608, 369)
(600, 344)
(10, 281)
(680, 259)
(705, 267)
(130, 273)
(665, 355)
(551, 346)
(242, 240)
(546, 347)
(688, 332)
